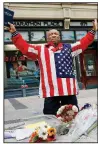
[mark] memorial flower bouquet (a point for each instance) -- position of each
(67, 113)
(43, 133)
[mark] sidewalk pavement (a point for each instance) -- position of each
(16, 109)
(24, 107)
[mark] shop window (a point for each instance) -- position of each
(67, 35)
(80, 34)
(21, 71)
(7, 37)
(90, 65)
(25, 35)
(37, 36)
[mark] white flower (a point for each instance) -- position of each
(42, 133)
(46, 126)
(62, 108)
(75, 109)
(58, 112)
(70, 112)
(60, 118)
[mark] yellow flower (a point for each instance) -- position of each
(51, 132)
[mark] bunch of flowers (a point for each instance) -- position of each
(43, 133)
(67, 113)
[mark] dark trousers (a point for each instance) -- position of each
(52, 104)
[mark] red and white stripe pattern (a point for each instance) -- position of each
(76, 49)
(50, 85)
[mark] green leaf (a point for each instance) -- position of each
(35, 139)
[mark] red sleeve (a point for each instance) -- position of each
(84, 42)
(31, 51)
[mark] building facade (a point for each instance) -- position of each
(33, 20)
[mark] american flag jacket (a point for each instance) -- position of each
(56, 72)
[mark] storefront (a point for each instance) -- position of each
(86, 62)
(19, 69)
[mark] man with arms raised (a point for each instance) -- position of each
(57, 80)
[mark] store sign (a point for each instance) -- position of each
(49, 23)
(13, 58)
(81, 23)
(39, 23)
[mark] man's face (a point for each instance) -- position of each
(53, 36)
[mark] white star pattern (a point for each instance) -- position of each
(64, 63)
(60, 73)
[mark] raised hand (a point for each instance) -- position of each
(12, 28)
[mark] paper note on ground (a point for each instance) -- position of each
(35, 124)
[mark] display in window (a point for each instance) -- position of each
(80, 34)
(25, 35)
(20, 70)
(13, 58)
(7, 37)
(90, 65)
(37, 36)
(67, 35)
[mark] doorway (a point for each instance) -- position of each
(89, 69)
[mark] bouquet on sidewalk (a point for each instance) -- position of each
(43, 133)
(67, 113)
